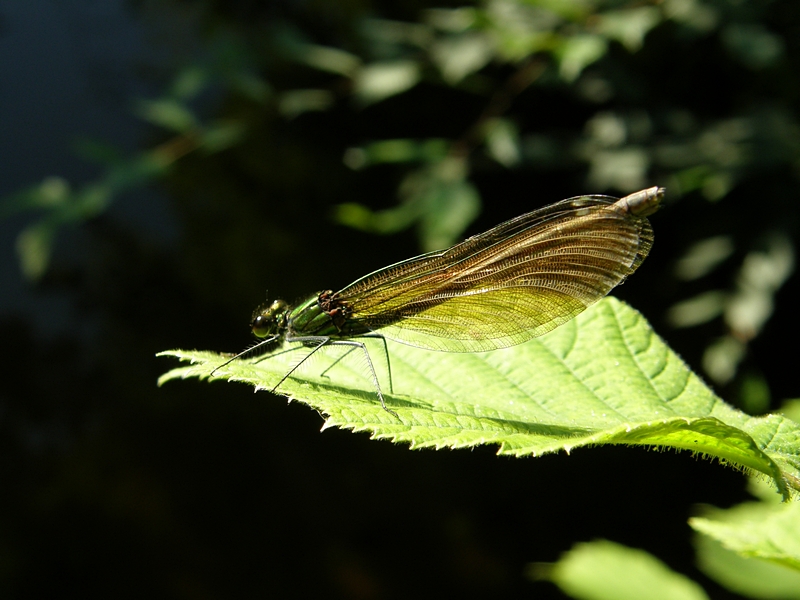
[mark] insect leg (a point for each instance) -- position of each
(274, 354)
(385, 353)
(338, 360)
(320, 341)
(248, 351)
(355, 345)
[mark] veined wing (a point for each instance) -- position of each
(512, 283)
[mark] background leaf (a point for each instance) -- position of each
(744, 575)
(761, 530)
(603, 570)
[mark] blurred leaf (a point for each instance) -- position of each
(686, 180)
(757, 529)
(521, 29)
(754, 395)
(622, 169)
(703, 257)
(603, 570)
(502, 142)
(452, 20)
(602, 378)
(167, 113)
(34, 248)
(700, 309)
(189, 82)
(749, 577)
(445, 202)
(629, 26)
(753, 45)
(222, 135)
(722, 357)
(570, 10)
(136, 171)
(392, 37)
(762, 274)
(437, 197)
(450, 208)
(578, 52)
(791, 409)
(360, 217)
(607, 130)
(89, 201)
(50, 193)
(330, 59)
(459, 56)
(296, 102)
(379, 81)
(396, 151)
(695, 14)
(250, 86)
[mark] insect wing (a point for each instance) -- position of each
(512, 283)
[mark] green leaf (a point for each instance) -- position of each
(378, 81)
(629, 26)
(603, 570)
(34, 247)
(450, 206)
(437, 197)
(754, 45)
(746, 576)
(757, 529)
(461, 55)
(296, 102)
(189, 82)
(578, 52)
(502, 142)
(603, 378)
(332, 60)
(397, 151)
(167, 113)
(222, 135)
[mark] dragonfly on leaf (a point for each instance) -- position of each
(500, 288)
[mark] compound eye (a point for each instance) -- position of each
(262, 326)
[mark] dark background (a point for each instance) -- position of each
(114, 488)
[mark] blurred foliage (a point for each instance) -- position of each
(750, 549)
(604, 570)
(696, 95)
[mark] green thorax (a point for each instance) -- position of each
(324, 315)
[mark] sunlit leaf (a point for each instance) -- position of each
(629, 26)
(750, 577)
(762, 530)
(578, 52)
(379, 81)
(502, 142)
(603, 570)
(603, 378)
(459, 56)
(333, 60)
